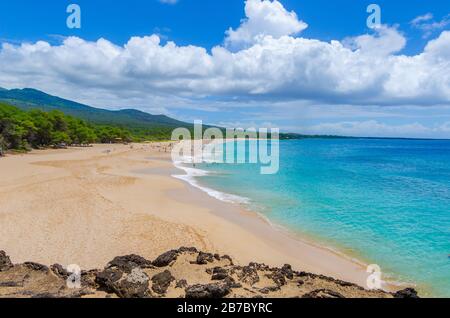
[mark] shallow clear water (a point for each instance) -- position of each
(384, 201)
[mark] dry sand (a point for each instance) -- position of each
(87, 205)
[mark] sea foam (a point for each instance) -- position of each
(191, 177)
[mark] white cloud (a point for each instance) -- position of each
(428, 25)
(264, 18)
(384, 42)
(365, 70)
(168, 1)
(422, 18)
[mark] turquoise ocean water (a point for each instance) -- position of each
(383, 201)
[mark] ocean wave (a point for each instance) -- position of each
(191, 178)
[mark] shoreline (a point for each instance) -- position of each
(239, 209)
(192, 176)
(126, 201)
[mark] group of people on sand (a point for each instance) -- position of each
(163, 147)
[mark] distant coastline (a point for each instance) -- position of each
(134, 120)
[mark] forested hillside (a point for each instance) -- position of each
(140, 124)
(23, 130)
(75, 123)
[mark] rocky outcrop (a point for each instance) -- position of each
(125, 285)
(219, 273)
(204, 258)
(323, 293)
(185, 272)
(406, 293)
(5, 262)
(208, 291)
(248, 274)
(161, 282)
(166, 259)
(36, 267)
(129, 262)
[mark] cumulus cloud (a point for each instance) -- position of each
(365, 70)
(385, 41)
(264, 18)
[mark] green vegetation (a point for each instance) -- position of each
(23, 130)
(42, 120)
(142, 126)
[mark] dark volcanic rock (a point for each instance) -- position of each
(166, 259)
(129, 262)
(88, 279)
(278, 278)
(108, 278)
(267, 290)
(187, 250)
(323, 293)
(161, 282)
(230, 282)
(134, 285)
(44, 296)
(181, 284)
(204, 258)
(60, 271)
(249, 275)
(260, 267)
(128, 277)
(36, 267)
(207, 291)
(219, 273)
(5, 262)
(328, 279)
(287, 271)
(406, 293)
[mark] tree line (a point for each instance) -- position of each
(24, 130)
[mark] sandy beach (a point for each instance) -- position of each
(87, 205)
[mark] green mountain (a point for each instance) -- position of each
(140, 124)
(34, 99)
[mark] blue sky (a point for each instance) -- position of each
(201, 22)
(403, 97)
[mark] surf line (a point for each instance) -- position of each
(261, 147)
